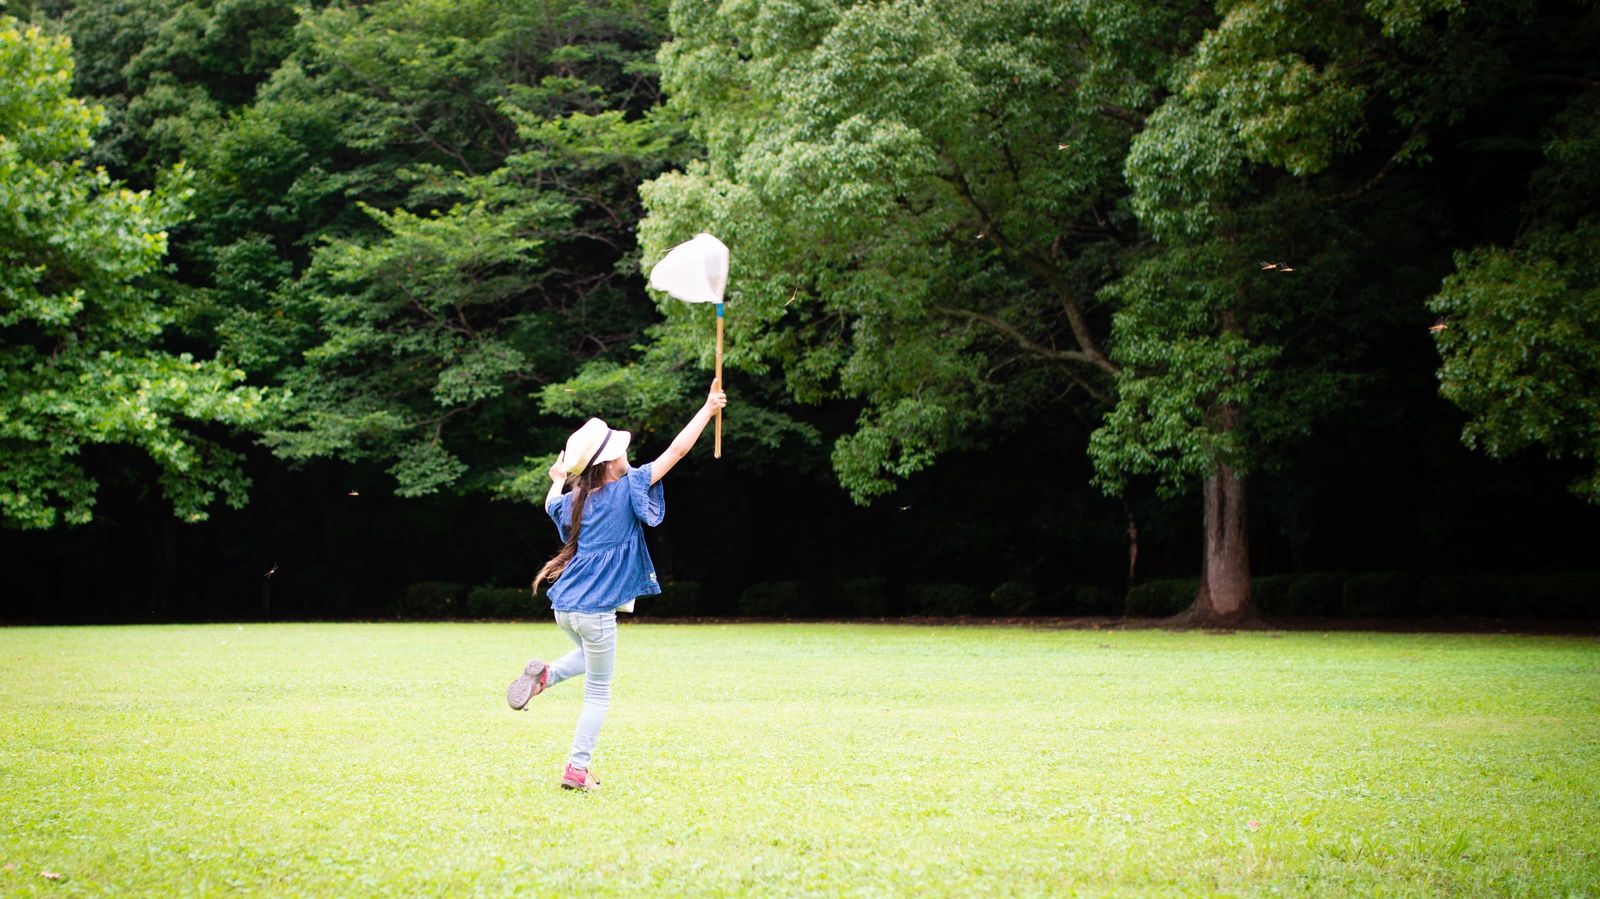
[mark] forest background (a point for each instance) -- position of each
(1278, 308)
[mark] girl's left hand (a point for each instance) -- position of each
(716, 399)
(557, 473)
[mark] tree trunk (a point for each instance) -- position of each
(1133, 557)
(1224, 597)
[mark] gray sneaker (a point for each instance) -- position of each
(531, 683)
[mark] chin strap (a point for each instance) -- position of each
(601, 449)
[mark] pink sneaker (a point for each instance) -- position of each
(529, 684)
(577, 778)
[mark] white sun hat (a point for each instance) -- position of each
(591, 444)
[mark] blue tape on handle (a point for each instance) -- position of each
(719, 310)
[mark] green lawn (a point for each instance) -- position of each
(368, 759)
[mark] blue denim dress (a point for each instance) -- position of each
(612, 565)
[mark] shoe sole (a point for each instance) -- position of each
(522, 689)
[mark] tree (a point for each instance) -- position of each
(952, 213)
(1258, 177)
(424, 212)
(169, 71)
(83, 319)
(923, 200)
(507, 259)
(1521, 324)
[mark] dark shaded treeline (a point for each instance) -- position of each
(1383, 483)
(1021, 512)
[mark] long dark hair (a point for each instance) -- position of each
(592, 478)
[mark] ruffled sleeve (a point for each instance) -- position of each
(649, 501)
(557, 510)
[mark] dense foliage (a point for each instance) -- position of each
(1521, 344)
(407, 214)
(925, 200)
(1149, 264)
(82, 313)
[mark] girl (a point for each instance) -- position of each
(604, 571)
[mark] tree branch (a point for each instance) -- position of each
(1555, 78)
(1383, 172)
(1041, 267)
(1126, 116)
(1034, 348)
(384, 94)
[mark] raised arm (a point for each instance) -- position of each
(558, 479)
(684, 442)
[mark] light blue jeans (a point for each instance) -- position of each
(596, 655)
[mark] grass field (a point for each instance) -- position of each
(830, 759)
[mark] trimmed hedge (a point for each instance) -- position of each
(1381, 594)
(1271, 594)
(1320, 593)
(1572, 594)
(433, 599)
(505, 602)
(1094, 600)
(1376, 594)
(943, 600)
(864, 596)
(1568, 594)
(779, 599)
(1452, 594)
(677, 599)
(1015, 598)
(1162, 598)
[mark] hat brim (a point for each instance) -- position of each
(578, 456)
(616, 447)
